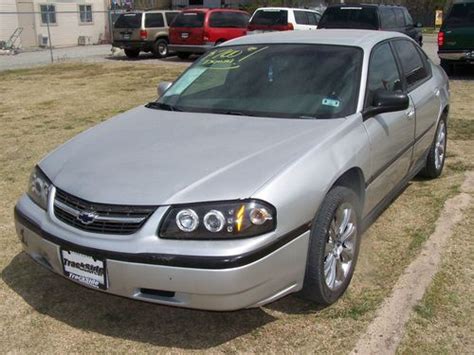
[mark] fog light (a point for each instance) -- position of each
(214, 221)
(259, 216)
(187, 220)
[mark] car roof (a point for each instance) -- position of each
(365, 39)
(285, 8)
(365, 5)
(205, 9)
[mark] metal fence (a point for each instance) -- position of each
(25, 30)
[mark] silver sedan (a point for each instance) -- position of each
(253, 175)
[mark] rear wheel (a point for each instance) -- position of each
(160, 48)
(132, 53)
(437, 154)
(333, 248)
(183, 55)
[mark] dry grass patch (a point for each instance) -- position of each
(41, 312)
(442, 322)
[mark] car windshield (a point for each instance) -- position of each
(189, 19)
(350, 17)
(131, 20)
(277, 80)
(461, 15)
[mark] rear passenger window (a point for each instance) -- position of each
(301, 18)
(387, 18)
(229, 19)
(154, 20)
(414, 67)
(383, 72)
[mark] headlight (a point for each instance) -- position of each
(218, 220)
(39, 187)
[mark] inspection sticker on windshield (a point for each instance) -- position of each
(331, 102)
(84, 269)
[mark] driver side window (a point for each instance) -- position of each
(383, 73)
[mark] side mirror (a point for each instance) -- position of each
(162, 87)
(419, 25)
(386, 101)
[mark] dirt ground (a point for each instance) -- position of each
(42, 312)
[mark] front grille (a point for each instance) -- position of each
(108, 219)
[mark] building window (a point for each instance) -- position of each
(48, 14)
(85, 12)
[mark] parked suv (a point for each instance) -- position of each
(198, 30)
(372, 17)
(456, 36)
(268, 19)
(137, 32)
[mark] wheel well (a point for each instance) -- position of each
(354, 180)
(162, 37)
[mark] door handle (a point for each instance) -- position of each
(437, 92)
(410, 114)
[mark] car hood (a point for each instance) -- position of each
(154, 157)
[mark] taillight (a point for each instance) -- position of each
(290, 27)
(205, 36)
(440, 39)
(143, 34)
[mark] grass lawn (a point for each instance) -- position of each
(42, 312)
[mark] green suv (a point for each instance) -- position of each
(456, 36)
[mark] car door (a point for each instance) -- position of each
(154, 25)
(391, 135)
(422, 92)
(301, 20)
(313, 20)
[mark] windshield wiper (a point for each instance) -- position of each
(161, 106)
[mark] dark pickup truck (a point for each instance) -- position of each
(456, 36)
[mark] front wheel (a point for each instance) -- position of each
(437, 154)
(333, 248)
(160, 48)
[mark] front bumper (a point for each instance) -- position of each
(457, 55)
(210, 283)
(184, 48)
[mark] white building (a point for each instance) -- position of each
(71, 22)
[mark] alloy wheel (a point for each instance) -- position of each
(340, 246)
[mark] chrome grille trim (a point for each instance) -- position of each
(76, 213)
(108, 219)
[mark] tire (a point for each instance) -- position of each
(132, 53)
(437, 154)
(326, 250)
(447, 66)
(160, 48)
(183, 55)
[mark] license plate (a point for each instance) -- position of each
(126, 36)
(85, 269)
(184, 35)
